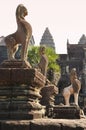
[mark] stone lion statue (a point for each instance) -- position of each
(43, 63)
(21, 36)
(74, 88)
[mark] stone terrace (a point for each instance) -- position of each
(44, 124)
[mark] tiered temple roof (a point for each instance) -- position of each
(82, 40)
(47, 39)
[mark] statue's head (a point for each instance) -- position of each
(42, 49)
(21, 11)
(73, 73)
(73, 70)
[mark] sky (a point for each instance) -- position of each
(66, 19)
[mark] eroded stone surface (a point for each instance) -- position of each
(44, 124)
(20, 92)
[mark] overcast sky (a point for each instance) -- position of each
(66, 19)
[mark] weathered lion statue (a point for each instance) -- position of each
(21, 36)
(74, 88)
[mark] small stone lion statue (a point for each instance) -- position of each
(21, 36)
(74, 88)
(43, 63)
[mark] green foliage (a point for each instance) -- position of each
(33, 57)
(52, 57)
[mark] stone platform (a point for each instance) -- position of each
(44, 124)
(66, 112)
(15, 64)
(20, 91)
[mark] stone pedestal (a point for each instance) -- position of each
(48, 97)
(20, 91)
(15, 64)
(66, 112)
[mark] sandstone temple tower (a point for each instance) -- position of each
(47, 39)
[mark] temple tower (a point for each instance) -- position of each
(47, 39)
(82, 40)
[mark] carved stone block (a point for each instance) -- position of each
(20, 92)
(66, 112)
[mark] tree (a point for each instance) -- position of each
(33, 55)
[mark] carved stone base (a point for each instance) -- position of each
(48, 97)
(66, 112)
(19, 115)
(20, 92)
(20, 76)
(15, 64)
